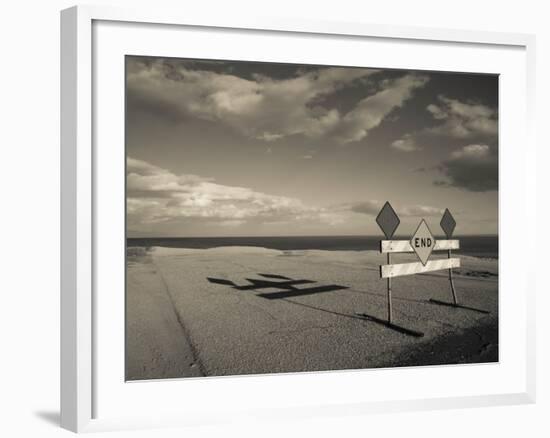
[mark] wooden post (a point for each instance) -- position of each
(455, 300)
(389, 293)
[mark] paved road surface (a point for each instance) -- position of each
(227, 312)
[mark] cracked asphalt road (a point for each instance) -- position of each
(222, 313)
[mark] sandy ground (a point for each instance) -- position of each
(220, 311)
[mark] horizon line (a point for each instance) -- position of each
(301, 235)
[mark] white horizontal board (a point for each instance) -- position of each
(405, 246)
(388, 271)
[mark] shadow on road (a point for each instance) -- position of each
(391, 325)
(287, 286)
(299, 292)
(287, 289)
(457, 306)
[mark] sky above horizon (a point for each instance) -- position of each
(230, 148)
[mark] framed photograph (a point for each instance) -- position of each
(260, 208)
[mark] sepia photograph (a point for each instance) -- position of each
(287, 218)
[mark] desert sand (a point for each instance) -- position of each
(220, 311)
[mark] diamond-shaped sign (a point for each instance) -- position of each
(388, 220)
(423, 242)
(448, 223)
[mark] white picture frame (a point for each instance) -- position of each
(80, 167)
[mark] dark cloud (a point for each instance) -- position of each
(143, 103)
(473, 168)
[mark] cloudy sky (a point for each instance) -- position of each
(225, 148)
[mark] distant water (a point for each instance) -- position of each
(478, 246)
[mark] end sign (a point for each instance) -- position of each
(423, 242)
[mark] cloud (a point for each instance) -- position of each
(146, 180)
(419, 211)
(370, 111)
(406, 144)
(457, 120)
(372, 207)
(473, 168)
(265, 108)
(366, 207)
(156, 195)
(463, 120)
